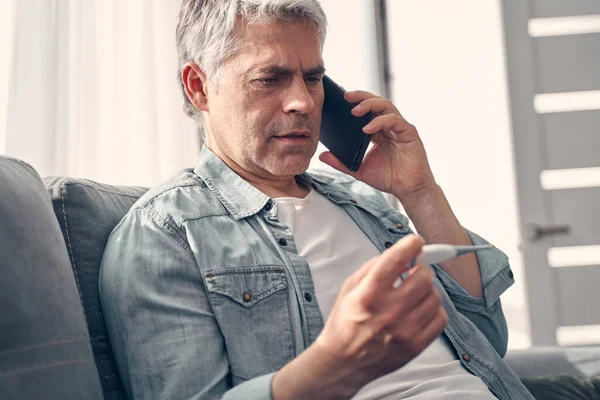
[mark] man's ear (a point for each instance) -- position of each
(196, 85)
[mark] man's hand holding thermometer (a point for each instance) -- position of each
(374, 328)
(438, 253)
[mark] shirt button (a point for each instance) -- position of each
(268, 206)
(399, 226)
(307, 296)
(388, 245)
(353, 201)
(282, 242)
(247, 297)
(466, 357)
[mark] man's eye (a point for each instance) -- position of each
(267, 81)
(314, 80)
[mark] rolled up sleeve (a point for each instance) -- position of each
(485, 312)
(164, 335)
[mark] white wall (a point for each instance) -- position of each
(449, 79)
(6, 37)
(350, 53)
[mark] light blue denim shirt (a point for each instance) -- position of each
(205, 296)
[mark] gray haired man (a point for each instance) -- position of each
(249, 278)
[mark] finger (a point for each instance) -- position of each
(330, 159)
(419, 339)
(392, 122)
(356, 96)
(432, 330)
(421, 269)
(376, 106)
(415, 288)
(424, 311)
(394, 261)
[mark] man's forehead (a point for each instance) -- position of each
(280, 60)
(280, 44)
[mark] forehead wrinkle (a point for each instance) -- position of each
(267, 53)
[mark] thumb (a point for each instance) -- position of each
(330, 159)
(394, 261)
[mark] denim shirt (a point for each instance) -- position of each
(205, 296)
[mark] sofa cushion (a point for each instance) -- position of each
(87, 212)
(45, 349)
(553, 360)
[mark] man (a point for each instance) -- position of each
(249, 278)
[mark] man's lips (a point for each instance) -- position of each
(293, 134)
(293, 137)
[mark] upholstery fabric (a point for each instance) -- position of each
(45, 350)
(546, 361)
(87, 212)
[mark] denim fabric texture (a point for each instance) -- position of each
(45, 350)
(204, 294)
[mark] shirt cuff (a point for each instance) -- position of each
(258, 388)
(496, 277)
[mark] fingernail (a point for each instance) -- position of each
(355, 110)
(368, 127)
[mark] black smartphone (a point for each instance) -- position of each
(341, 132)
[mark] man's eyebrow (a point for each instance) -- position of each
(320, 70)
(279, 70)
(275, 70)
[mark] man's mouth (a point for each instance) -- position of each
(293, 137)
(294, 134)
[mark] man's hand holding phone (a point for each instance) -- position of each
(397, 162)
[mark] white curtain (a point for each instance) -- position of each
(89, 88)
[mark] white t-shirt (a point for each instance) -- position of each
(334, 247)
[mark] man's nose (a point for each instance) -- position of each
(298, 98)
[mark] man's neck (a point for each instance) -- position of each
(277, 188)
(273, 187)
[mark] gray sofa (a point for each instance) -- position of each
(53, 341)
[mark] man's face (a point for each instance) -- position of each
(264, 114)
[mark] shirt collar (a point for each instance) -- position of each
(242, 199)
(239, 197)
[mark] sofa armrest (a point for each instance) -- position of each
(45, 348)
(545, 361)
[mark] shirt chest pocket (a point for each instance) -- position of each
(252, 308)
